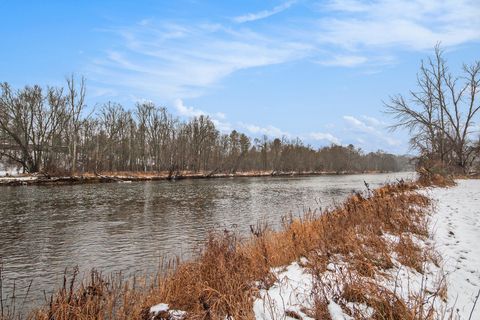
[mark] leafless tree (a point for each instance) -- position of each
(441, 112)
(30, 120)
(75, 105)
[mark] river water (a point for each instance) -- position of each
(129, 227)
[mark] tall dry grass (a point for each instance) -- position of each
(223, 281)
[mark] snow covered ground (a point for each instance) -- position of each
(293, 294)
(456, 224)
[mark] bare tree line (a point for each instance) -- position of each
(47, 130)
(440, 115)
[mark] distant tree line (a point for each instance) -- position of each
(442, 116)
(47, 130)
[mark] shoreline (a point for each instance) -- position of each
(125, 177)
(241, 277)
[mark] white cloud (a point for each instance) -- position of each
(263, 14)
(220, 115)
(321, 136)
(358, 124)
(407, 24)
(222, 126)
(372, 133)
(190, 112)
(186, 111)
(372, 121)
(270, 131)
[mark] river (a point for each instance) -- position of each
(129, 227)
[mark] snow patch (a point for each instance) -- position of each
(161, 307)
(336, 312)
(164, 308)
(291, 293)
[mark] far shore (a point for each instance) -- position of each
(109, 177)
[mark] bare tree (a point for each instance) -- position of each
(29, 120)
(440, 114)
(75, 104)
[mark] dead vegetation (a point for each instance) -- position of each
(225, 278)
(429, 177)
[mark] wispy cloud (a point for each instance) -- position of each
(184, 60)
(270, 131)
(372, 121)
(263, 14)
(408, 24)
(322, 136)
(344, 61)
(175, 61)
(374, 132)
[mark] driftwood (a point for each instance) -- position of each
(211, 173)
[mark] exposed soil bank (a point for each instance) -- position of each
(42, 179)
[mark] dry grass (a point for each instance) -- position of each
(442, 179)
(224, 279)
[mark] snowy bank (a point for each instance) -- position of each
(456, 225)
(297, 290)
(455, 236)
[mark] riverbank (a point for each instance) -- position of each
(370, 257)
(125, 177)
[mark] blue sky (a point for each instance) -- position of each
(317, 70)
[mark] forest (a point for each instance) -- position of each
(49, 130)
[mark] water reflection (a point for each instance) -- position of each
(129, 226)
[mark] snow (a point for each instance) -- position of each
(163, 307)
(407, 282)
(336, 312)
(292, 292)
(456, 225)
(16, 179)
(295, 289)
